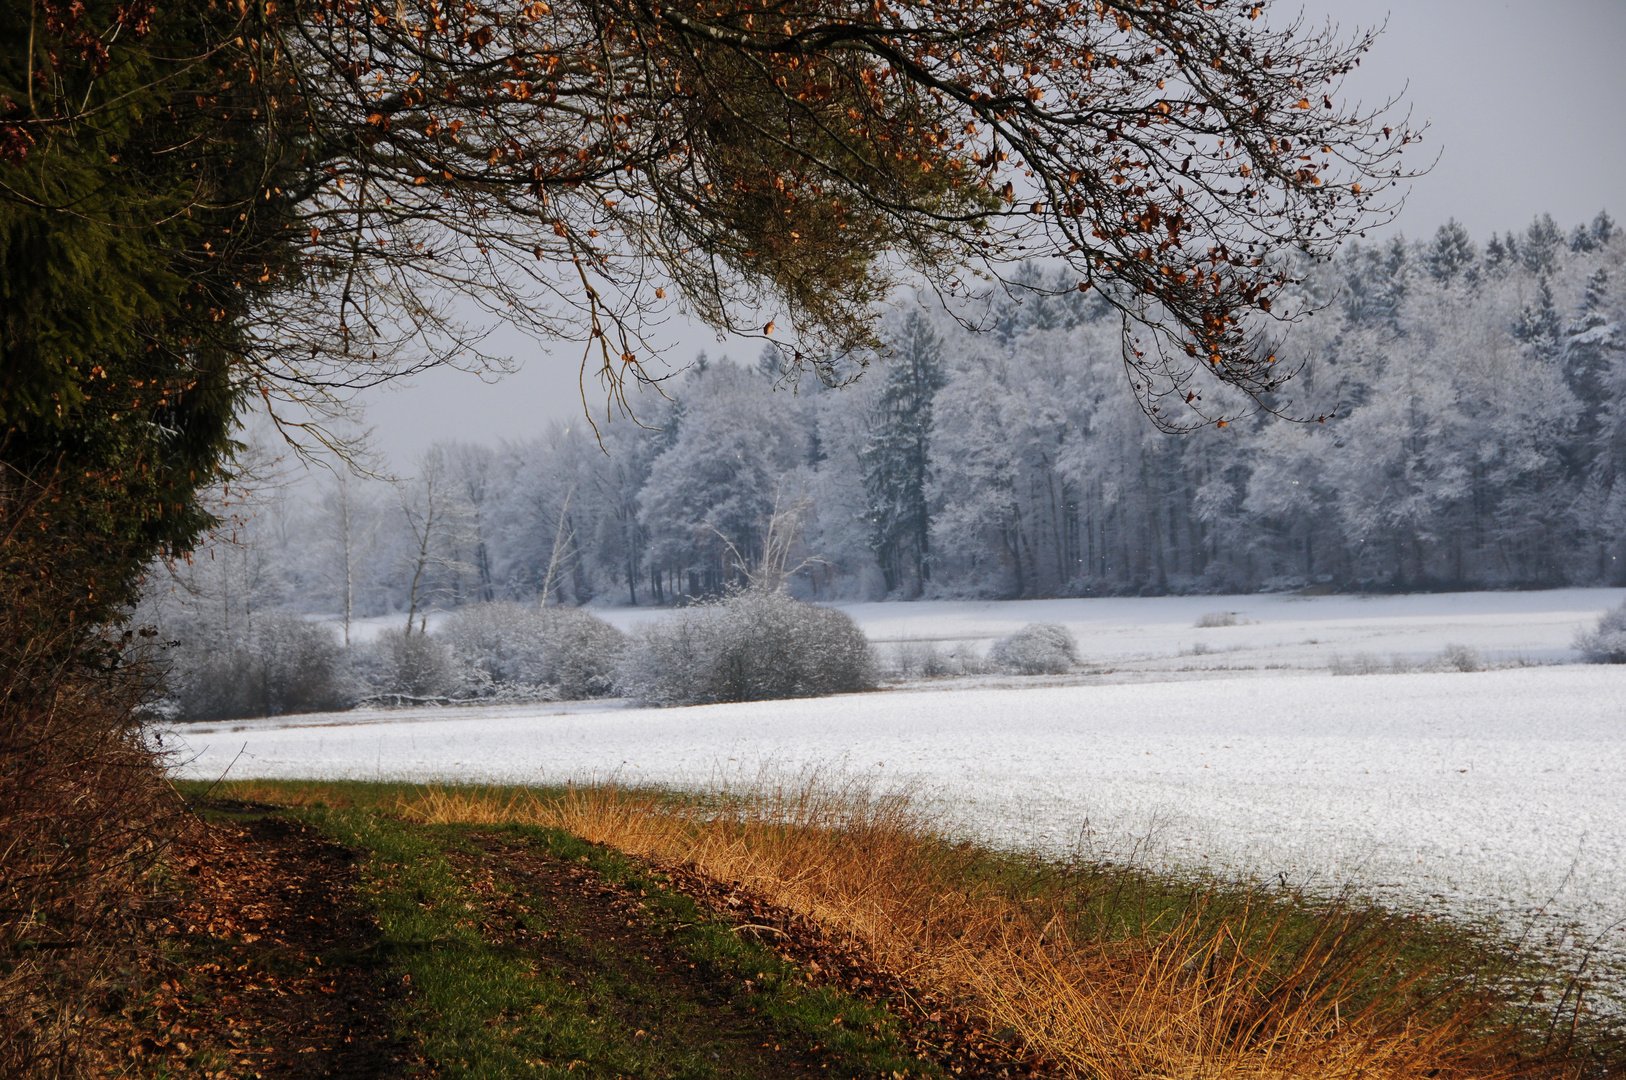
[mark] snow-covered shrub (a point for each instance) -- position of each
(1212, 619)
(1394, 664)
(1366, 663)
(581, 652)
(283, 664)
(399, 664)
(965, 660)
(670, 662)
(1607, 643)
(305, 668)
(219, 683)
(925, 659)
(1036, 649)
(561, 652)
(929, 660)
(753, 647)
(1456, 657)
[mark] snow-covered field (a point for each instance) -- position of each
(1499, 791)
(1275, 630)
(1279, 630)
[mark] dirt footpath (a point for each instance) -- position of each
(277, 968)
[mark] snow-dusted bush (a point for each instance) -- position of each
(1458, 657)
(283, 664)
(1212, 619)
(968, 661)
(1365, 663)
(1036, 649)
(400, 664)
(507, 648)
(1607, 643)
(928, 659)
(753, 647)
(671, 662)
(305, 668)
(912, 659)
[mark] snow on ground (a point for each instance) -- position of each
(1492, 792)
(1278, 629)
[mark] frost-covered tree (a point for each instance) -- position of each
(1451, 252)
(346, 532)
(436, 521)
(1542, 242)
(896, 458)
(713, 490)
(1539, 325)
(537, 517)
(1475, 436)
(1595, 366)
(618, 540)
(471, 466)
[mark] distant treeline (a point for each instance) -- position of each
(1477, 439)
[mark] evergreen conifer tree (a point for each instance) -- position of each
(1542, 241)
(1603, 228)
(1539, 324)
(896, 460)
(1591, 349)
(1451, 252)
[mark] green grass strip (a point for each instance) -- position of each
(480, 1010)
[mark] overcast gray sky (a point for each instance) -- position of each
(1527, 109)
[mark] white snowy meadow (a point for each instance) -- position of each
(1226, 748)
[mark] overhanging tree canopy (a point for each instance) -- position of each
(327, 174)
(569, 163)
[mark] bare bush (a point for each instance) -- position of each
(405, 666)
(1036, 649)
(920, 659)
(212, 682)
(755, 646)
(304, 668)
(1458, 657)
(508, 648)
(1606, 644)
(1365, 663)
(283, 664)
(968, 661)
(929, 660)
(1214, 619)
(1454, 657)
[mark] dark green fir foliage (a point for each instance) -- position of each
(896, 460)
(141, 215)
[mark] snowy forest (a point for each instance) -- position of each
(1477, 440)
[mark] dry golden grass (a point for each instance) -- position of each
(272, 794)
(1205, 993)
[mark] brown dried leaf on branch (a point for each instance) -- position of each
(807, 155)
(787, 161)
